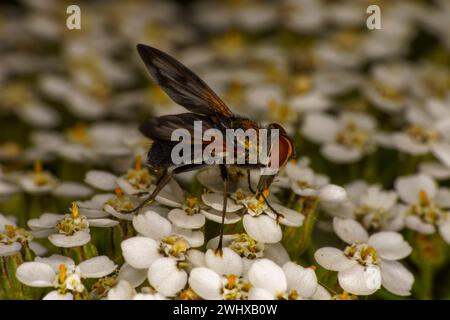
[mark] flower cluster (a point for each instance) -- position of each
(361, 210)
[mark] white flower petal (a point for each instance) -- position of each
(97, 267)
(443, 197)
(181, 219)
(196, 258)
(216, 216)
(9, 249)
(37, 248)
(360, 280)
(135, 277)
(152, 225)
(101, 180)
(262, 228)
(56, 295)
(415, 223)
(122, 291)
(390, 245)
(340, 154)
(409, 187)
(276, 252)
(289, 217)
(226, 264)
(444, 231)
(319, 127)
(332, 193)
(195, 238)
(349, 230)
(103, 223)
(333, 259)
(35, 274)
(206, 283)
(260, 294)
(166, 278)
(321, 294)
(442, 152)
(215, 201)
(122, 216)
(46, 220)
(79, 238)
(55, 261)
(267, 275)
(72, 190)
(396, 278)
(140, 252)
(303, 280)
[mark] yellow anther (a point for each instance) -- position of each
(138, 162)
(180, 246)
(231, 281)
(10, 231)
(302, 84)
(10, 149)
(37, 167)
(191, 201)
(423, 197)
(62, 273)
(79, 134)
(118, 191)
(345, 295)
(75, 212)
(313, 267)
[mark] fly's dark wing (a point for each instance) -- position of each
(161, 128)
(181, 84)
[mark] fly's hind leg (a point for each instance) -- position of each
(224, 176)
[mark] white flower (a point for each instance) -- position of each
(137, 180)
(427, 205)
(306, 16)
(260, 222)
(125, 291)
(435, 169)
(161, 250)
(374, 208)
(368, 262)
(101, 142)
(186, 212)
(220, 277)
(305, 182)
(427, 131)
(66, 231)
(270, 281)
(386, 88)
(250, 250)
(61, 273)
(7, 189)
(345, 139)
(13, 238)
(40, 182)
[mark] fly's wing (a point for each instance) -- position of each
(181, 84)
(161, 128)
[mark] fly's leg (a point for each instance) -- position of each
(224, 176)
(162, 182)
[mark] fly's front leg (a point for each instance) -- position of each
(224, 176)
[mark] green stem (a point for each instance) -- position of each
(297, 240)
